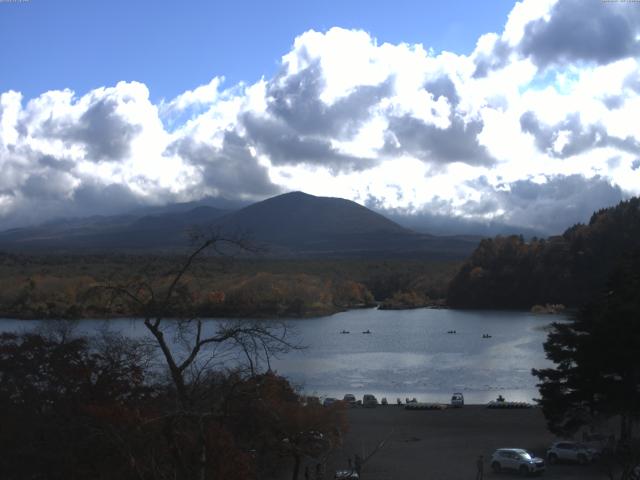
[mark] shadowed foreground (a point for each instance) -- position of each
(443, 445)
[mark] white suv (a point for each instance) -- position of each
(516, 459)
(570, 452)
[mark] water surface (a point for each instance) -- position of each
(407, 354)
(410, 353)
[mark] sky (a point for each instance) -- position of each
(520, 113)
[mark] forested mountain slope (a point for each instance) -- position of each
(507, 272)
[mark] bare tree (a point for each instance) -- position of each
(190, 346)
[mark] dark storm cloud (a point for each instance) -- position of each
(438, 218)
(556, 204)
(529, 123)
(443, 86)
(231, 170)
(105, 134)
(295, 100)
(581, 137)
(41, 187)
(50, 186)
(529, 208)
(285, 146)
(583, 30)
(93, 197)
(593, 31)
(300, 126)
(497, 59)
(562, 201)
(49, 197)
(484, 206)
(56, 163)
(457, 143)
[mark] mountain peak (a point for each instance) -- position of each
(291, 222)
(312, 216)
(296, 193)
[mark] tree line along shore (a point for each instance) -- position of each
(505, 272)
(66, 286)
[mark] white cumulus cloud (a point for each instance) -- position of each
(497, 134)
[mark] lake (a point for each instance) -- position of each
(407, 354)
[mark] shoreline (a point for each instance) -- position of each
(376, 306)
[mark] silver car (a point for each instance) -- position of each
(346, 475)
(570, 452)
(516, 459)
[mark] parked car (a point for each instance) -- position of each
(570, 452)
(457, 400)
(516, 459)
(329, 401)
(369, 401)
(599, 442)
(346, 475)
(349, 399)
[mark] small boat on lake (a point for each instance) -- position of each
(345, 331)
(367, 331)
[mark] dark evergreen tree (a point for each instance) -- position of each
(597, 372)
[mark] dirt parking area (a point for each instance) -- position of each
(445, 444)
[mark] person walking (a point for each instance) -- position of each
(480, 468)
(358, 464)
